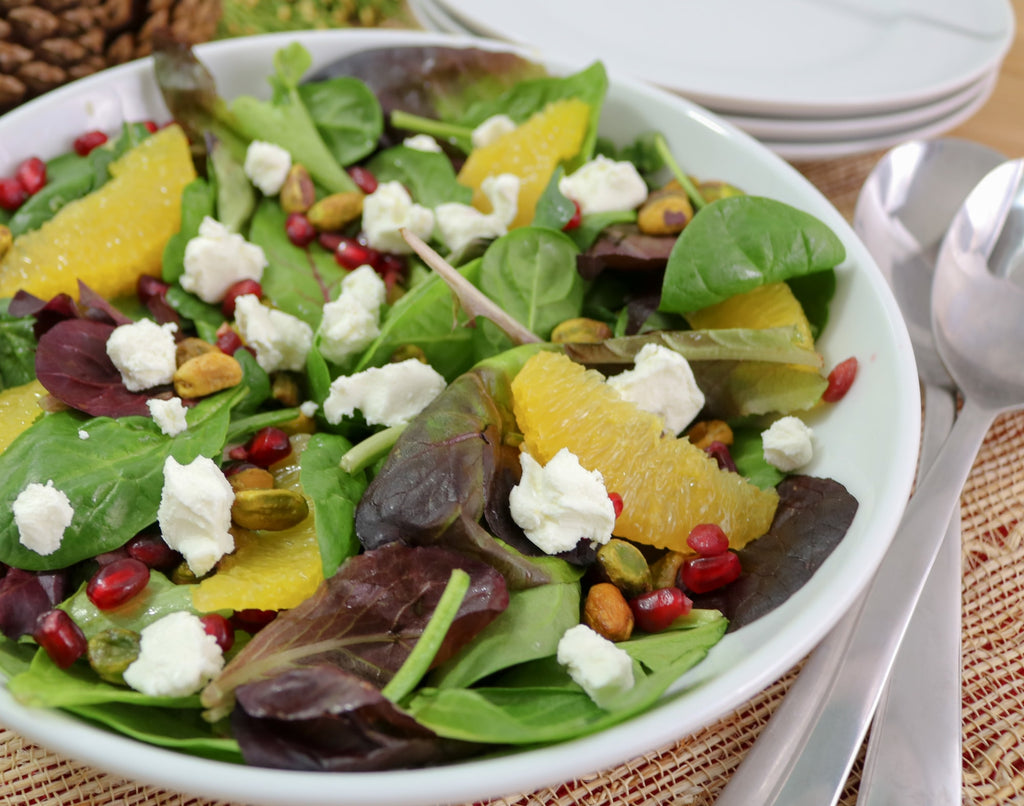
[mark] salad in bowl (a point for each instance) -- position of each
(406, 410)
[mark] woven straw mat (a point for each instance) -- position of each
(694, 770)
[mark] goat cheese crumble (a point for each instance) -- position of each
(595, 664)
(195, 512)
(350, 322)
(561, 503)
(281, 341)
(41, 514)
(491, 130)
(388, 395)
(216, 259)
(176, 657)
(604, 185)
(459, 224)
(661, 382)
(143, 353)
(169, 415)
(788, 444)
(389, 209)
(267, 166)
(423, 142)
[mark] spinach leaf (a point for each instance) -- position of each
(286, 121)
(347, 115)
(15, 656)
(17, 349)
(335, 495)
(814, 292)
(427, 175)
(159, 598)
(68, 177)
(235, 194)
(198, 200)
(554, 210)
(747, 451)
(113, 479)
(738, 243)
(531, 273)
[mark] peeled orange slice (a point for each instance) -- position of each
(113, 235)
(19, 408)
(667, 485)
(767, 306)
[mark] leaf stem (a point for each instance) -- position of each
(365, 453)
(696, 198)
(452, 133)
(418, 663)
(249, 425)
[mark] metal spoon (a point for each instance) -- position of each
(978, 321)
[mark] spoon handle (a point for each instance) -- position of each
(914, 755)
(808, 766)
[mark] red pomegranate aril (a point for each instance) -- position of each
(268, 446)
(12, 194)
(239, 453)
(32, 175)
(655, 611)
(577, 217)
(85, 143)
(616, 500)
(364, 178)
(236, 290)
(350, 254)
(840, 379)
(252, 620)
(708, 540)
(299, 229)
(329, 240)
(220, 628)
(703, 574)
(228, 341)
(719, 451)
(152, 551)
(117, 582)
(151, 126)
(62, 639)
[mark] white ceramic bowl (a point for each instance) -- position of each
(868, 442)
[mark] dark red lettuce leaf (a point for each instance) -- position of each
(813, 516)
(95, 307)
(367, 618)
(323, 718)
(25, 595)
(73, 366)
(48, 313)
(624, 248)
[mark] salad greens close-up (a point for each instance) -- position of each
(409, 420)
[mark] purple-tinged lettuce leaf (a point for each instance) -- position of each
(366, 619)
(25, 595)
(812, 517)
(624, 248)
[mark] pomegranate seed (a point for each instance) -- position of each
(655, 611)
(268, 446)
(708, 540)
(233, 467)
(719, 451)
(329, 240)
(32, 175)
(236, 290)
(351, 254)
(107, 557)
(299, 229)
(85, 143)
(364, 178)
(153, 552)
(220, 628)
(117, 582)
(616, 503)
(251, 620)
(239, 453)
(840, 379)
(149, 287)
(151, 126)
(12, 194)
(703, 574)
(228, 341)
(62, 639)
(577, 217)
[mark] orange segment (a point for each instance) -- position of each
(19, 408)
(667, 485)
(770, 305)
(111, 236)
(531, 151)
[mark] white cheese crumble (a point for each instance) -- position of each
(366, 286)
(281, 341)
(177, 657)
(41, 514)
(352, 321)
(83, 434)
(604, 185)
(267, 166)
(561, 503)
(388, 395)
(459, 224)
(143, 353)
(788, 444)
(491, 130)
(216, 259)
(195, 512)
(309, 408)
(387, 210)
(168, 414)
(423, 142)
(595, 664)
(661, 382)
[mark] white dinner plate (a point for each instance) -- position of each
(811, 58)
(868, 442)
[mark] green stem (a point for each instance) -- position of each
(250, 425)
(365, 453)
(696, 198)
(450, 132)
(418, 663)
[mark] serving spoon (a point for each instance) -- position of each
(978, 322)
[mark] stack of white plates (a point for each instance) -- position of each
(812, 79)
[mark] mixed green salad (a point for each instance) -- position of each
(427, 625)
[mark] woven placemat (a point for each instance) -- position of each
(693, 771)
